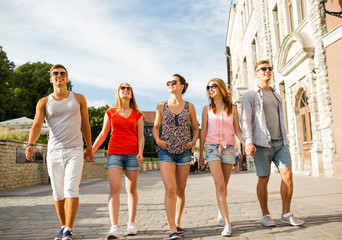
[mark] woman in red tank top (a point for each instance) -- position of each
(125, 151)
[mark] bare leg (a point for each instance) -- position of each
(221, 186)
(286, 189)
(182, 172)
(59, 205)
(168, 174)
(114, 178)
(263, 194)
(131, 188)
(71, 205)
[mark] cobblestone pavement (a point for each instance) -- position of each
(28, 213)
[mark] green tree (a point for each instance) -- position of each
(6, 70)
(31, 81)
(96, 116)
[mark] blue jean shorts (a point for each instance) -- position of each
(227, 154)
(179, 159)
(125, 162)
(278, 153)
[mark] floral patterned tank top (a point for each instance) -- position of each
(176, 129)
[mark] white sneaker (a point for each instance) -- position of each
(291, 220)
(113, 233)
(220, 219)
(131, 229)
(227, 231)
(268, 221)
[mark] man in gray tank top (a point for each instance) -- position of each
(263, 129)
(66, 114)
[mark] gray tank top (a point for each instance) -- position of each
(64, 121)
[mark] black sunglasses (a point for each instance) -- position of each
(265, 69)
(125, 88)
(173, 82)
(56, 73)
(213, 86)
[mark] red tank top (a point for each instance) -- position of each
(124, 135)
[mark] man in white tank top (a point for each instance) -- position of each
(66, 114)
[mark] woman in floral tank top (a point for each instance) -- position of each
(219, 124)
(174, 148)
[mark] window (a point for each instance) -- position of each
(290, 14)
(245, 13)
(276, 26)
(254, 56)
(305, 117)
(283, 95)
(245, 72)
(302, 9)
(242, 22)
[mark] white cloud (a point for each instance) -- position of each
(104, 43)
(97, 103)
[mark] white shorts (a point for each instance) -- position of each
(65, 170)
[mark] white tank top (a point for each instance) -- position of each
(64, 121)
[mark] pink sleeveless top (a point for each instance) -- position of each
(220, 129)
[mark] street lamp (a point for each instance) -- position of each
(336, 14)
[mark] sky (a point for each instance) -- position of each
(103, 43)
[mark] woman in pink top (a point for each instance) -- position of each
(219, 124)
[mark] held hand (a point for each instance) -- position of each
(201, 162)
(88, 155)
(163, 144)
(250, 149)
(140, 158)
(188, 145)
(29, 153)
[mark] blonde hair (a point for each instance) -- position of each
(227, 97)
(132, 102)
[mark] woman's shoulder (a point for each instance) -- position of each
(161, 105)
(112, 110)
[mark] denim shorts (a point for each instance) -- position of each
(125, 162)
(227, 154)
(278, 153)
(179, 159)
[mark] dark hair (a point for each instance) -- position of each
(58, 66)
(182, 82)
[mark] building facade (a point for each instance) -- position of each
(290, 34)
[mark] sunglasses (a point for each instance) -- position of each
(125, 88)
(213, 86)
(56, 73)
(173, 82)
(265, 69)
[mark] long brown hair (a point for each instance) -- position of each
(226, 96)
(132, 102)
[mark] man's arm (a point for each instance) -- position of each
(85, 126)
(36, 127)
(247, 124)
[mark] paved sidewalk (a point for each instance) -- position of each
(28, 213)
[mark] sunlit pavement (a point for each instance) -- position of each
(28, 213)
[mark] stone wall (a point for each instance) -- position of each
(15, 175)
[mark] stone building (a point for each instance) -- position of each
(290, 34)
